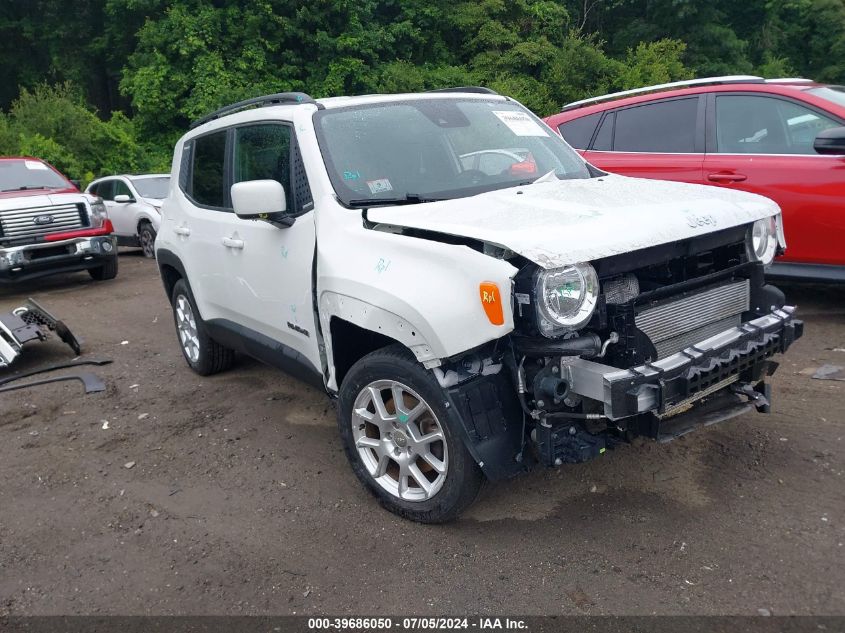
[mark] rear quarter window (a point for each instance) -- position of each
(578, 132)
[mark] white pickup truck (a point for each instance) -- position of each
(477, 298)
(47, 226)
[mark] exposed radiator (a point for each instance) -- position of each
(679, 324)
(35, 221)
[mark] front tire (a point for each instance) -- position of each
(402, 441)
(202, 353)
(105, 272)
(147, 239)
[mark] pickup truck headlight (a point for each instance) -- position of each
(566, 298)
(98, 212)
(763, 240)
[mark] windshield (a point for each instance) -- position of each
(152, 187)
(836, 94)
(20, 175)
(432, 149)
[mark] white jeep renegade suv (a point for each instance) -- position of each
(477, 298)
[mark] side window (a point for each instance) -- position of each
(105, 190)
(268, 151)
(120, 189)
(185, 166)
(578, 132)
(262, 152)
(748, 124)
(604, 139)
(208, 177)
(665, 127)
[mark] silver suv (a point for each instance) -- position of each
(476, 298)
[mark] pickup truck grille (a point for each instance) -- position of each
(38, 221)
(677, 324)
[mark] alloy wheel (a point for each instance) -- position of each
(187, 327)
(400, 440)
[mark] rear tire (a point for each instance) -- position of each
(412, 457)
(106, 271)
(147, 239)
(202, 353)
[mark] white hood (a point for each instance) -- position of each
(569, 221)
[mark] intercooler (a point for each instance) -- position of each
(36, 221)
(674, 325)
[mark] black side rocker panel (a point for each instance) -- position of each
(265, 349)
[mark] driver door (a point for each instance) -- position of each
(122, 214)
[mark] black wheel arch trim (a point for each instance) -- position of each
(491, 425)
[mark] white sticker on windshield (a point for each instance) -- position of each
(379, 186)
(34, 164)
(520, 123)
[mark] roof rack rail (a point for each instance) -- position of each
(790, 80)
(281, 98)
(481, 90)
(690, 83)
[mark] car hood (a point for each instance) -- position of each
(569, 221)
(27, 199)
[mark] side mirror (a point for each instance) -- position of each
(76, 184)
(261, 200)
(831, 141)
(122, 198)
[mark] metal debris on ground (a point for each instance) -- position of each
(830, 372)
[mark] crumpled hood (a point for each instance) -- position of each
(569, 221)
(39, 200)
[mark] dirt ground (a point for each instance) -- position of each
(240, 500)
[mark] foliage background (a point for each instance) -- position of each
(104, 86)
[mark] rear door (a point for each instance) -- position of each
(764, 144)
(197, 227)
(661, 139)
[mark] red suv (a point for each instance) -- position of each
(781, 138)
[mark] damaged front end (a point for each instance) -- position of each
(680, 336)
(30, 322)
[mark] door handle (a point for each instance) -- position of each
(182, 230)
(229, 242)
(725, 177)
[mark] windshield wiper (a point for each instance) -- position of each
(408, 198)
(25, 188)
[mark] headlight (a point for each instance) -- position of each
(566, 298)
(98, 212)
(763, 240)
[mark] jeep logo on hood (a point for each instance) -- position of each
(41, 220)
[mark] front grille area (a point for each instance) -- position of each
(38, 221)
(676, 324)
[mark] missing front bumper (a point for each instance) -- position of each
(740, 353)
(30, 322)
